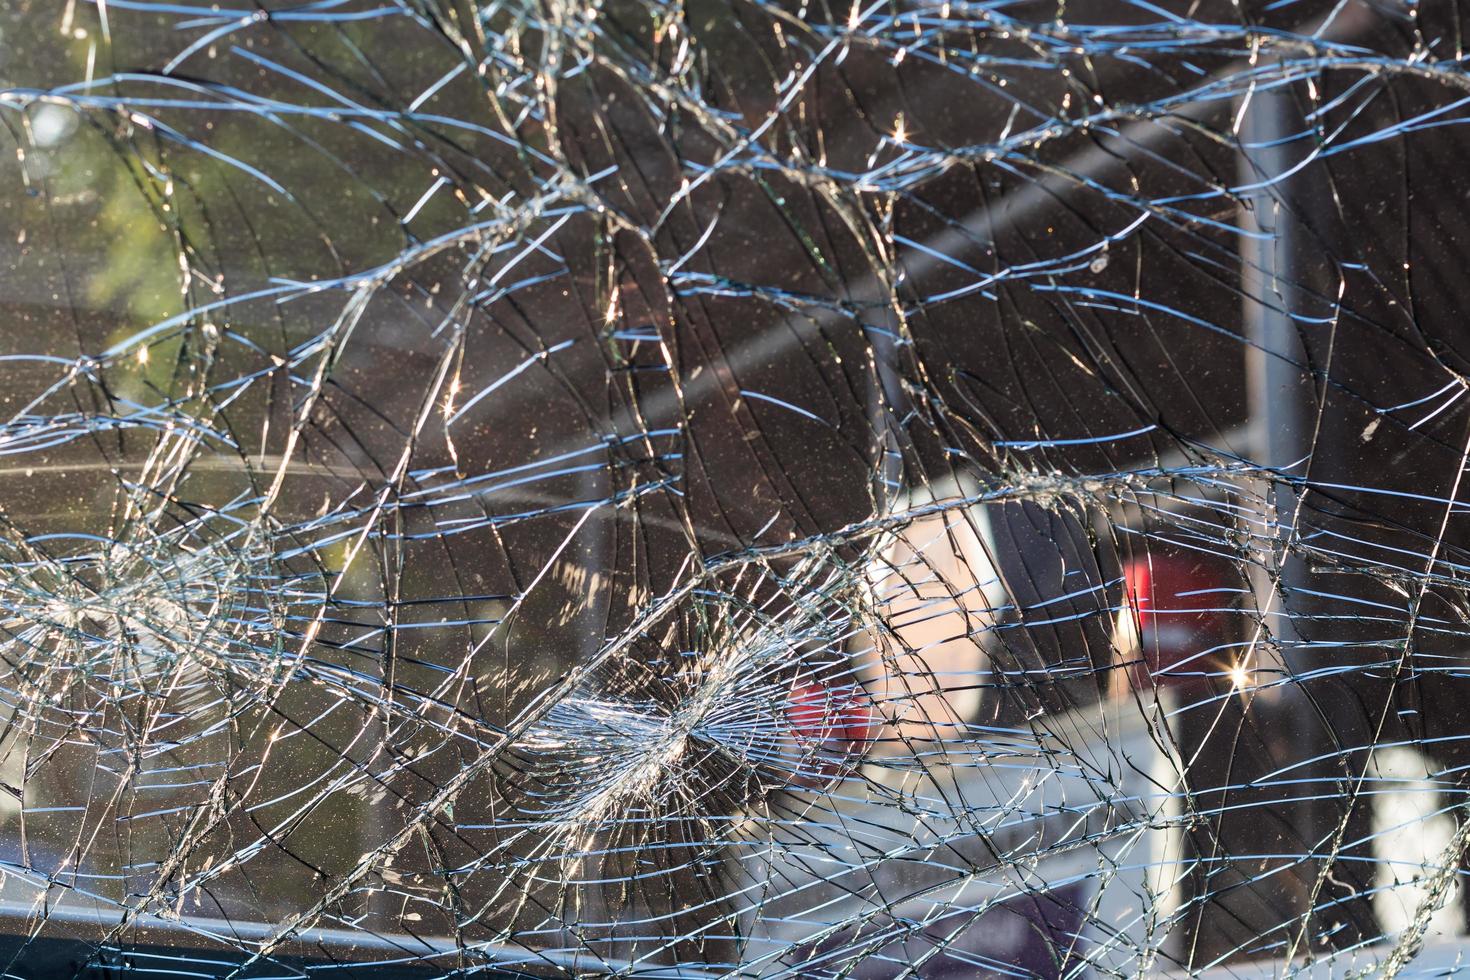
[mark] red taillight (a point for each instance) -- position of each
(1162, 590)
(1175, 605)
(838, 719)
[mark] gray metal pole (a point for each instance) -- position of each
(1279, 392)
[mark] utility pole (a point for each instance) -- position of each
(1292, 720)
(1270, 131)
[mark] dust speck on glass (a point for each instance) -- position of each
(734, 488)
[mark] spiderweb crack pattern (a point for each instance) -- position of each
(733, 488)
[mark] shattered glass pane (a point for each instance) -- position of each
(924, 488)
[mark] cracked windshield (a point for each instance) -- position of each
(734, 488)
